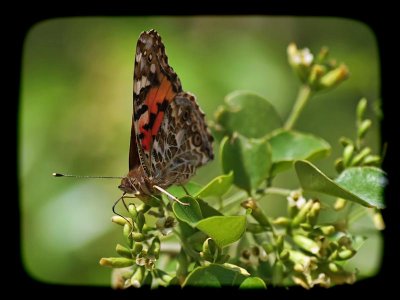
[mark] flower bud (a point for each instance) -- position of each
(339, 167)
(334, 77)
(143, 208)
(346, 254)
(360, 156)
(378, 220)
(306, 226)
(327, 229)
(334, 267)
(282, 221)
(123, 251)
(363, 128)
(315, 74)
(372, 160)
(138, 237)
(118, 220)
(344, 241)
(312, 215)
(256, 212)
(333, 255)
(301, 215)
(116, 262)
(277, 272)
(138, 276)
(347, 155)
(339, 204)
(361, 107)
(137, 248)
(132, 210)
(127, 234)
(298, 268)
(306, 244)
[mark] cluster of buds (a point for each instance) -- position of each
(318, 72)
(319, 249)
(137, 259)
(354, 154)
(301, 250)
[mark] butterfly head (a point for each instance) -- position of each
(135, 183)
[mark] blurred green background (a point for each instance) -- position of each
(76, 105)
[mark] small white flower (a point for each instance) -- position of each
(296, 199)
(300, 56)
(306, 57)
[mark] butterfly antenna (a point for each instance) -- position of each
(83, 176)
(170, 195)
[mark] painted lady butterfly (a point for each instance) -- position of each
(169, 136)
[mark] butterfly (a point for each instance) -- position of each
(169, 136)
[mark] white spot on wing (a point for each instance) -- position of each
(144, 82)
(138, 57)
(153, 68)
(137, 87)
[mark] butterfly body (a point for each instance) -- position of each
(169, 136)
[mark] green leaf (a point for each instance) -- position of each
(215, 275)
(249, 159)
(249, 114)
(207, 210)
(367, 183)
(224, 230)
(288, 146)
(217, 187)
(178, 191)
(189, 214)
(363, 185)
(253, 283)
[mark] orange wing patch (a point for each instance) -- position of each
(157, 100)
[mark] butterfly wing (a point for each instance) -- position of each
(182, 144)
(155, 86)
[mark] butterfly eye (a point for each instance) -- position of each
(197, 139)
(150, 57)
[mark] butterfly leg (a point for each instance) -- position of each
(170, 195)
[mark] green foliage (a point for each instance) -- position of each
(224, 230)
(289, 146)
(253, 283)
(248, 158)
(249, 249)
(217, 187)
(364, 185)
(243, 112)
(216, 275)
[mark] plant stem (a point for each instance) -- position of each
(275, 191)
(303, 96)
